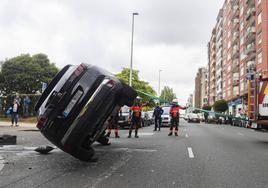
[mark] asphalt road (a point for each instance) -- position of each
(201, 156)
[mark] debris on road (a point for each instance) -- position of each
(44, 149)
(6, 139)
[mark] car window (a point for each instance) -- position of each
(166, 110)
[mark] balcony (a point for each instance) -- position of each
(250, 12)
(235, 91)
(250, 34)
(250, 22)
(235, 37)
(235, 67)
(250, 49)
(250, 3)
(235, 52)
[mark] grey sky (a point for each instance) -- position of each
(170, 35)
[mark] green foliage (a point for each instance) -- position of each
(136, 83)
(168, 94)
(25, 73)
(220, 106)
(207, 107)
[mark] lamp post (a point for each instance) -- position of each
(131, 53)
(159, 87)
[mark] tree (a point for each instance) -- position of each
(136, 83)
(220, 106)
(168, 94)
(25, 73)
(207, 107)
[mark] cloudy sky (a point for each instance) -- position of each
(170, 35)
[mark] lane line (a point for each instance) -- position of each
(241, 134)
(1, 163)
(190, 152)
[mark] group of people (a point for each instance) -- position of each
(136, 111)
(13, 110)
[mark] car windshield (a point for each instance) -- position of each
(125, 109)
(166, 110)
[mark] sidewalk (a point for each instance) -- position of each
(21, 124)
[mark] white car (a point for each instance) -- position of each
(192, 117)
(166, 119)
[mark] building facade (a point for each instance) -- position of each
(237, 48)
(200, 93)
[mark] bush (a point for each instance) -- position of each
(207, 107)
(220, 106)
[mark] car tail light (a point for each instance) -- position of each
(80, 69)
(41, 121)
(110, 83)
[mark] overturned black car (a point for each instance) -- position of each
(73, 109)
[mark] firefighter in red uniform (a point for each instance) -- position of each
(175, 117)
(113, 122)
(136, 117)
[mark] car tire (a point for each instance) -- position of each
(127, 95)
(85, 154)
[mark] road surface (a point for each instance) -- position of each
(203, 156)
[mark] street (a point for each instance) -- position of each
(203, 155)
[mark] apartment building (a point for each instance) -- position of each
(212, 68)
(219, 55)
(200, 93)
(237, 48)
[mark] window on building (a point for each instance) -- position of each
(242, 40)
(242, 71)
(260, 18)
(260, 57)
(260, 38)
(241, 10)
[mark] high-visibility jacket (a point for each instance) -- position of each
(175, 111)
(136, 110)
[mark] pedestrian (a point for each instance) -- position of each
(18, 99)
(206, 117)
(113, 122)
(26, 104)
(230, 119)
(136, 110)
(175, 116)
(158, 111)
(14, 113)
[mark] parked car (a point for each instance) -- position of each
(151, 118)
(73, 109)
(212, 118)
(166, 119)
(124, 118)
(193, 117)
(145, 119)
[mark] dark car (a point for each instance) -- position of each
(73, 109)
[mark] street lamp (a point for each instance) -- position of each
(131, 53)
(159, 83)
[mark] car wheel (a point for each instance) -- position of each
(127, 95)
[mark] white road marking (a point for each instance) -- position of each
(2, 163)
(190, 152)
(241, 134)
(143, 134)
(187, 136)
(127, 149)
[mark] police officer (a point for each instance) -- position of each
(136, 110)
(158, 111)
(113, 122)
(175, 116)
